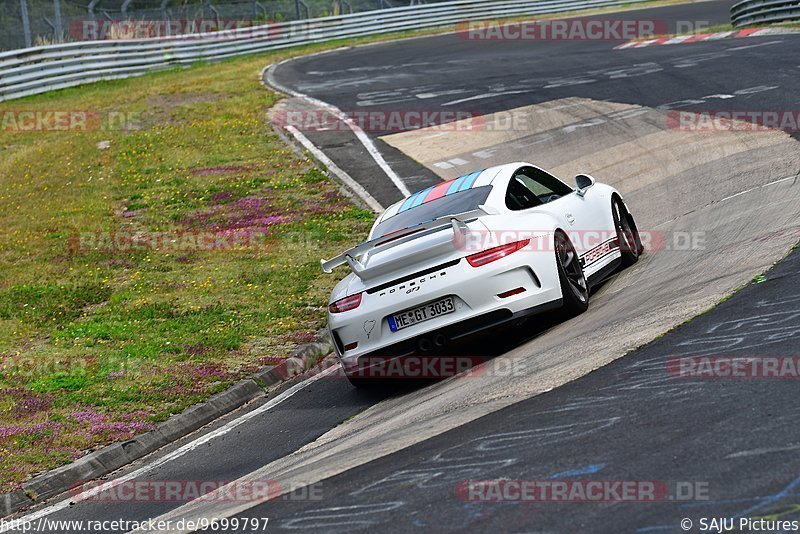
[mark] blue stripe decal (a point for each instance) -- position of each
(455, 185)
(420, 198)
(470, 180)
(407, 203)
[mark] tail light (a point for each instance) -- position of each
(496, 253)
(511, 292)
(346, 304)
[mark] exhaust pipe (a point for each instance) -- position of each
(440, 340)
(425, 344)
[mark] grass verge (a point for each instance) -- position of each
(148, 267)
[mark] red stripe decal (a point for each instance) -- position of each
(438, 191)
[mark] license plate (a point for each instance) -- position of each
(422, 313)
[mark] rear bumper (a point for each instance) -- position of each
(478, 294)
(360, 365)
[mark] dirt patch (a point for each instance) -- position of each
(225, 170)
(161, 106)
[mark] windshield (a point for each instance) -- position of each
(452, 204)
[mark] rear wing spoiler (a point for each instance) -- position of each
(379, 244)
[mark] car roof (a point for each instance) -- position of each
(467, 181)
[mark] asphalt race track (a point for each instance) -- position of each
(586, 403)
(451, 73)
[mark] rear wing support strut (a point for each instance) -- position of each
(457, 222)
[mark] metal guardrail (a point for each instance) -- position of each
(44, 68)
(26, 23)
(751, 12)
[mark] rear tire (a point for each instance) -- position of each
(574, 289)
(630, 245)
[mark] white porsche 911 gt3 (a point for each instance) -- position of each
(472, 253)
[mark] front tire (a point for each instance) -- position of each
(574, 289)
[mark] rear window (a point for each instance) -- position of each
(452, 204)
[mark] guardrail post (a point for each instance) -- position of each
(259, 6)
(59, 29)
(91, 6)
(216, 14)
(165, 16)
(26, 22)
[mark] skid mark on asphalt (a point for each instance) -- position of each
(343, 517)
(398, 94)
(460, 140)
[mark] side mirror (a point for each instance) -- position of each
(582, 183)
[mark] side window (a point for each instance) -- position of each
(545, 186)
(519, 196)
